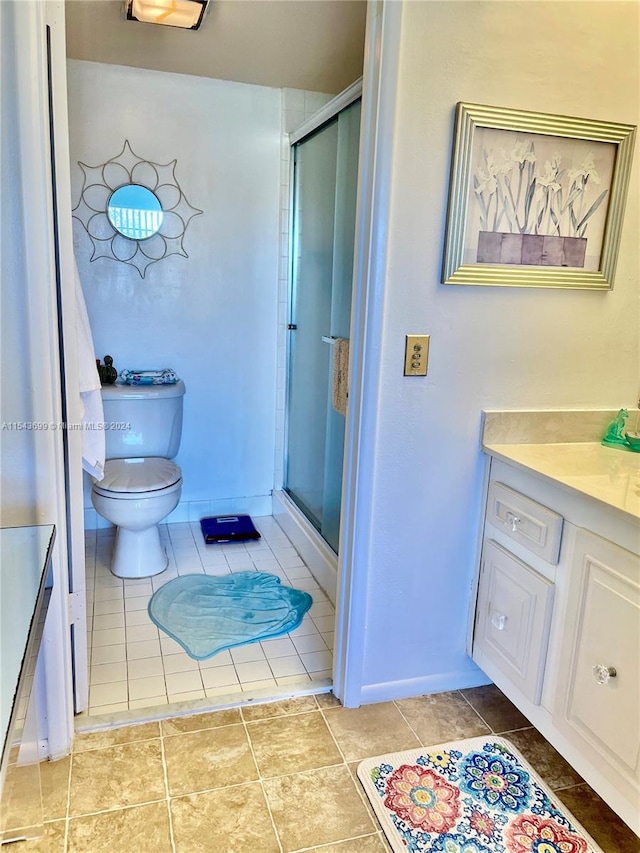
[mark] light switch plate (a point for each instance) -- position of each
(416, 355)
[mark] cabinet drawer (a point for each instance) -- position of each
(598, 708)
(513, 618)
(531, 524)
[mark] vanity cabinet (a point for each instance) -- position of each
(556, 623)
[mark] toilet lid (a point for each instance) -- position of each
(139, 475)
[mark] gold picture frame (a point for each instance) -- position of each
(535, 200)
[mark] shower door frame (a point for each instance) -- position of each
(322, 119)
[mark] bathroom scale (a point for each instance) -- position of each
(228, 528)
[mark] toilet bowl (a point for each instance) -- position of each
(141, 484)
(135, 495)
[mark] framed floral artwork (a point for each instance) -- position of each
(535, 200)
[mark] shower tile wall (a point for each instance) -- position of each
(135, 666)
(297, 107)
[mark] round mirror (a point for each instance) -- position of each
(135, 212)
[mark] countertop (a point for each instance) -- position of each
(606, 474)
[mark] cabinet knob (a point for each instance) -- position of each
(602, 674)
(499, 620)
(514, 520)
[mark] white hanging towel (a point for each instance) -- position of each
(93, 449)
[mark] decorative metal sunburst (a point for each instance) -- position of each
(100, 182)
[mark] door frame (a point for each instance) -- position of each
(69, 370)
(377, 129)
(49, 283)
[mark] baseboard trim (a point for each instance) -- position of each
(437, 683)
(187, 511)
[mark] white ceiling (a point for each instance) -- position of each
(302, 44)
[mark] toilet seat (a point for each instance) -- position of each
(130, 478)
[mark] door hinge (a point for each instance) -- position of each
(77, 607)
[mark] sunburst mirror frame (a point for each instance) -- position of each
(99, 184)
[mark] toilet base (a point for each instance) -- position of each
(138, 553)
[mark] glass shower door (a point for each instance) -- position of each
(323, 229)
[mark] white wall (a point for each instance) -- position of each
(18, 494)
(212, 316)
(490, 347)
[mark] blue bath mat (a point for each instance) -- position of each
(207, 614)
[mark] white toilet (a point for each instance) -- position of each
(141, 484)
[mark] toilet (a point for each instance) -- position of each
(141, 484)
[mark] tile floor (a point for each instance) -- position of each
(134, 666)
(274, 778)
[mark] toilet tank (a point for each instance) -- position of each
(142, 420)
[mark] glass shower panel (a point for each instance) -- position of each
(323, 228)
(309, 359)
(342, 280)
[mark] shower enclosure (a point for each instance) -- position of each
(325, 172)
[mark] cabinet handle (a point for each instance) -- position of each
(499, 620)
(602, 674)
(514, 520)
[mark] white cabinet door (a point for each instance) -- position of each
(598, 693)
(512, 619)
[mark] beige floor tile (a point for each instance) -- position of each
(54, 779)
(115, 737)
(141, 829)
(198, 722)
(293, 743)
(52, 841)
(605, 827)
(554, 770)
(297, 705)
(213, 758)
(496, 710)
(353, 769)
(370, 730)
(316, 807)
(21, 803)
(328, 700)
(441, 717)
(233, 820)
(118, 776)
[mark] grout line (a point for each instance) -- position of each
(331, 844)
(477, 713)
(356, 781)
(119, 808)
(260, 780)
(512, 731)
(166, 786)
(562, 787)
(65, 844)
(413, 731)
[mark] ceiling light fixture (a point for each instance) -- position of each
(187, 14)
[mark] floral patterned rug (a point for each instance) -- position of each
(469, 796)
